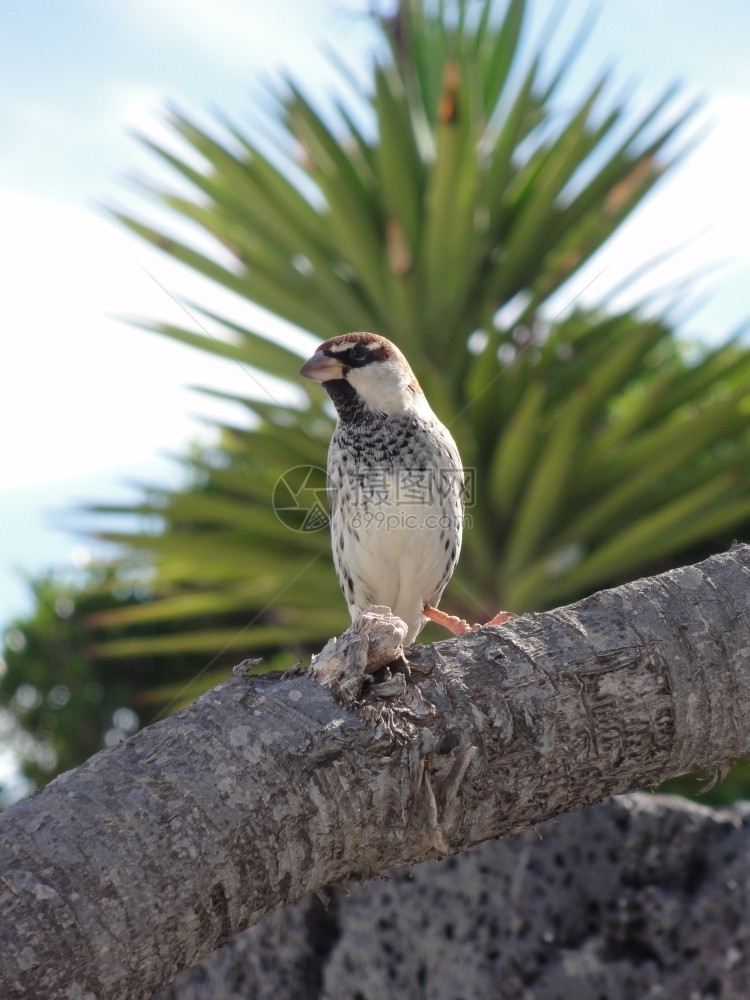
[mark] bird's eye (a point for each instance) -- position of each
(359, 353)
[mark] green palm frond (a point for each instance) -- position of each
(456, 184)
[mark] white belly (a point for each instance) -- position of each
(393, 553)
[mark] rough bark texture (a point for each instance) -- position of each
(151, 855)
(638, 897)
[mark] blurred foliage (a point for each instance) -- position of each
(700, 786)
(442, 204)
(59, 701)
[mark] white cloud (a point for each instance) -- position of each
(83, 391)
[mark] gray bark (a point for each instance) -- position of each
(156, 852)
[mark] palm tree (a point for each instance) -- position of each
(442, 206)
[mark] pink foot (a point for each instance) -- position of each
(460, 627)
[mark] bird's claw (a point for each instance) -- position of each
(500, 619)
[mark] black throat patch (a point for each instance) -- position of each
(349, 406)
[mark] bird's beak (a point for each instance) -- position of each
(321, 368)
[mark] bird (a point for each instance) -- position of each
(395, 483)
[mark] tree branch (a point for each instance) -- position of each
(156, 852)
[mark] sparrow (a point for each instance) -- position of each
(395, 483)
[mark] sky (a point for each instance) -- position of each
(90, 403)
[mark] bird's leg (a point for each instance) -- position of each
(455, 625)
(460, 627)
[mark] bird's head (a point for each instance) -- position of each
(366, 369)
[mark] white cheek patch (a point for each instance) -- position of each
(383, 385)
